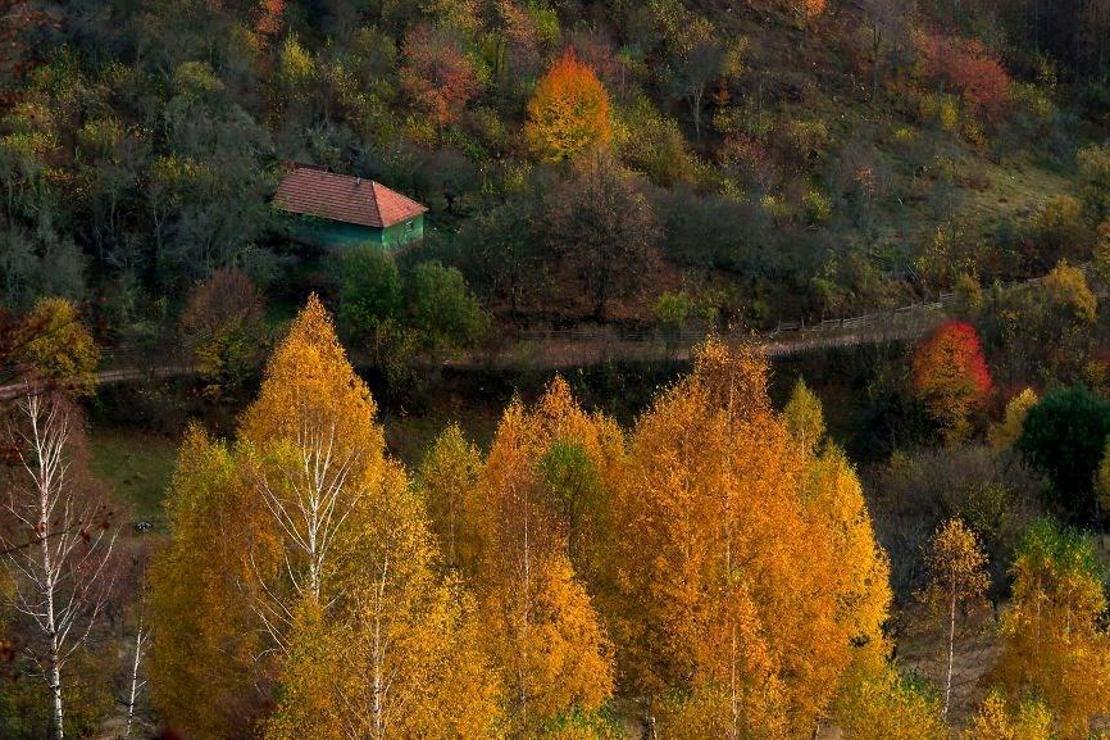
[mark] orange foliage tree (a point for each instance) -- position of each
(544, 632)
(810, 9)
(747, 571)
(950, 376)
(569, 113)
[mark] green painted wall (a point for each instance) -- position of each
(399, 235)
(335, 234)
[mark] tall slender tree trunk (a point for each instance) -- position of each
(134, 680)
(695, 110)
(876, 50)
(378, 708)
(54, 669)
(951, 652)
(56, 694)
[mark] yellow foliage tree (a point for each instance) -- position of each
(1066, 287)
(997, 720)
(859, 574)
(1053, 644)
(403, 660)
(201, 662)
(545, 635)
(569, 113)
(957, 583)
(449, 478)
(805, 416)
(736, 599)
(308, 696)
(331, 572)
(57, 348)
(888, 707)
(1004, 434)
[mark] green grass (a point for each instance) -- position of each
(136, 467)
(1012, 191)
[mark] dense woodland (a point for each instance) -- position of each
(253, 487)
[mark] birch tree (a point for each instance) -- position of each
(203, 673)
(1055, 644)
(545, 634)
(136, 685)
(315, 449)
(302, 588)
(60, 541)
(957, 582)
(740, 614)
(449, 476)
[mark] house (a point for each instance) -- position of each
(333, 210)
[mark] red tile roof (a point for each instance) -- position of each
(317, 192)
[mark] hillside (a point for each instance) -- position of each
(779, 161)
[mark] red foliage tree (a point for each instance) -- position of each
(950, 375)
(970, 68)
(271, 19)
(437, 74)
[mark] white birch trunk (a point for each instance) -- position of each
(59, 553)
(951, 651)
(310, 505)
(136, 685)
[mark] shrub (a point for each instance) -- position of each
(968, 298)
(672, 309)
(1004, 434)
(370, 292)
(1064, 436)
(1067, 290)
(223, 325)
(654, 145)
(1101, 257)
(1059, 229)
(818, 206)
(442, 307)
(997, 720)
(969, 67)
(805, 140)
(944, 109)
(996, 494)
(889, 706)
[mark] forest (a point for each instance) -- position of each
(555, 369)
